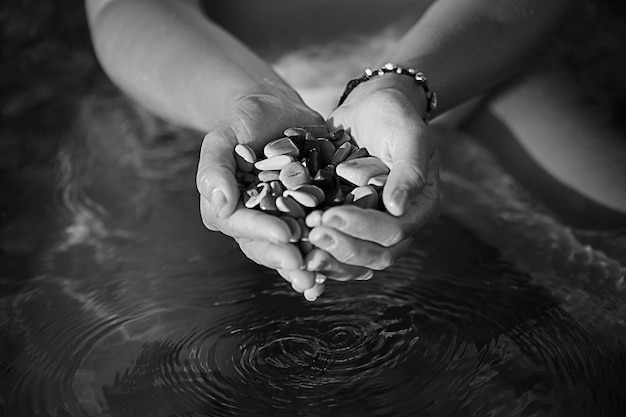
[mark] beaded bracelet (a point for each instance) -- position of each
(419, 77)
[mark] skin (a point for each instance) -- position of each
(180, 65)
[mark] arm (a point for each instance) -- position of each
(175, 62)
(466, 47)
(179, 65)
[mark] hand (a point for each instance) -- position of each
(383, 115)
(254, 120)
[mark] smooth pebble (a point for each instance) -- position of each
(358, 171)
(313, 161)
(335, 197)
(335, 134)
(326, 151)
(290, 207)
(268, 203)
(268, 176)
(245, 157)
(310, 143)
(294, 132)
(277, 188)
(325, 177)
(365, 197)
(283, 146)
(275, 163)
(303, 198)
(341, 154)
(339, 140)
(378, 180)
(312, 190)
(294, 174)
(254, 195)
(358, 153)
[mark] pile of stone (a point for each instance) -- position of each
(307, 171)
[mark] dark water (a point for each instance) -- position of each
(115, 301)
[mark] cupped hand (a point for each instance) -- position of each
(384, 115)
(255, 119)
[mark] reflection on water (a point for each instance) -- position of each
(129, 307)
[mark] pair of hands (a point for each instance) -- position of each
(349, 242)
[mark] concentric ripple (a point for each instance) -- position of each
(318, 351)
(272, 360)
(438, 331)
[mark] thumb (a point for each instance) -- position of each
(216, 170)
(409, 171)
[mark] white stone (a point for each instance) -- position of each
(358, 171)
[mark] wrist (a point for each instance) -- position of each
(394, 84)
(407, 82)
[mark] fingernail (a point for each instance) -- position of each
(320, 279)
(217, 201)
(313, 293)
(310, 295)
(324, 241)
(399, 197)
(335, 222)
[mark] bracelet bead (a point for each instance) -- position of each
(419, 77)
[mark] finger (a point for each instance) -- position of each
(246, 223)
(357, 252)
(322, 262)
(300, 280)
(274, 256)
(314, 292)
(215, 178)
(380, 227)
(411, 152)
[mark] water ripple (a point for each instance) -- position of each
(455, 328)
(452, 328)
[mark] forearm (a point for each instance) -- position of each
(466, 47)
(176, 62)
